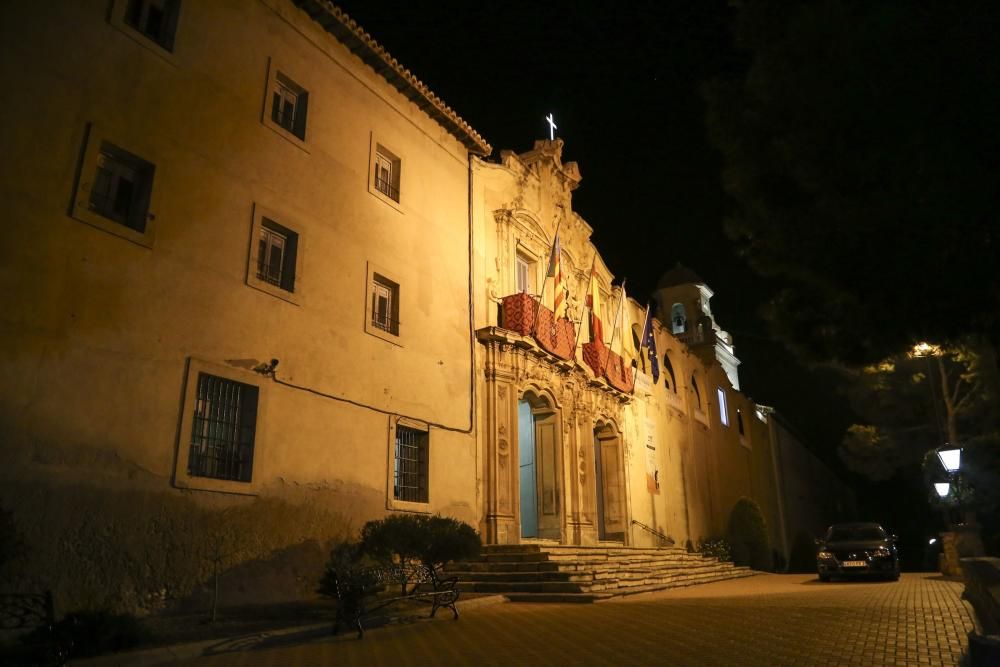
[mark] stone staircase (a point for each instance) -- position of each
(543, 573)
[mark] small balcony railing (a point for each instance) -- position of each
(385, 186)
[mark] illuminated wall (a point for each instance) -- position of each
(106, 328)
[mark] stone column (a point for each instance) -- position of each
(500, 468)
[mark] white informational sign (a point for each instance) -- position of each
(652, 462)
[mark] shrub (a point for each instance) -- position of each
(344, 556)
(716, 547)
(405, 538)
(747, 534)
(449, 539)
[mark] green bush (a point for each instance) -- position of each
(717, 548)
(402, 538)
(408, 538)
(747, 534)
(344, 557)
(448, 540)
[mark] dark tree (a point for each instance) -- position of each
(917, 401)
(860, 147)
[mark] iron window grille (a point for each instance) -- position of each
(122, 186)
(387, 167)
(385, 305)
(410, 478)
(289, 103)
(155, 19)
(223, 429)
(276, 254)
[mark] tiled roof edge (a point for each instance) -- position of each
(347, 31)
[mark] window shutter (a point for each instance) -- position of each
(172, 9)
(289, 266)
(301, 110)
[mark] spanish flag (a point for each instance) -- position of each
(558, 289)
(594, 303)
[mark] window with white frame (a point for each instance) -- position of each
(410, 465)
(723, 408)
(386, 176)
(121, 187)
(525, 274)
(223, 429)
(276, 251)
(384, 301)
(154, 19)
(289, 105)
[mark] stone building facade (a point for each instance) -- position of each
(261, 285)
(610, 464)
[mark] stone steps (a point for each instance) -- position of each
(555, 573)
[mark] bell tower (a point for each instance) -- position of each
(684, 302)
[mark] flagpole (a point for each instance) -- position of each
(545, 280)
(579, 329)
(645, 322)
(614, 330)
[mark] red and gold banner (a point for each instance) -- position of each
(520, 313)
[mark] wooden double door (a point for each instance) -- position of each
(538, 458)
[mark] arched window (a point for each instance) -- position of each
(669, 378)
(697, 393)
(678, 318)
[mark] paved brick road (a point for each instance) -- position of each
(763, 620)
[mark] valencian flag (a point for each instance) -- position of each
(558, 289)
(594, 303)
(648, 341)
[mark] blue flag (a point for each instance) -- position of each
(649, 342)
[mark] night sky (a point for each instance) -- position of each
(624, 84)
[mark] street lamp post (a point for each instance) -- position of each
(960, 538)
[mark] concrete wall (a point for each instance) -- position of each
(100, 329)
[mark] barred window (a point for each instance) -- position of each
(289, 102)
(384, 304)
(223, 429)
(276, 254)
(410, 483)
(386, 177)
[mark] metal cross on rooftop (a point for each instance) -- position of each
(552, 127)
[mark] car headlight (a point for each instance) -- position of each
(882, 552)
(825, 555)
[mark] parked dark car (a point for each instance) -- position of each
(857, 550)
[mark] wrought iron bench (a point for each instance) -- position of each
(361, 593)
(33, 613)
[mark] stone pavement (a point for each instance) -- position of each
(763, 620)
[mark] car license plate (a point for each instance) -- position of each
(854, 563)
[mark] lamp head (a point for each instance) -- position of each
(951, 459)
(942, 488)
